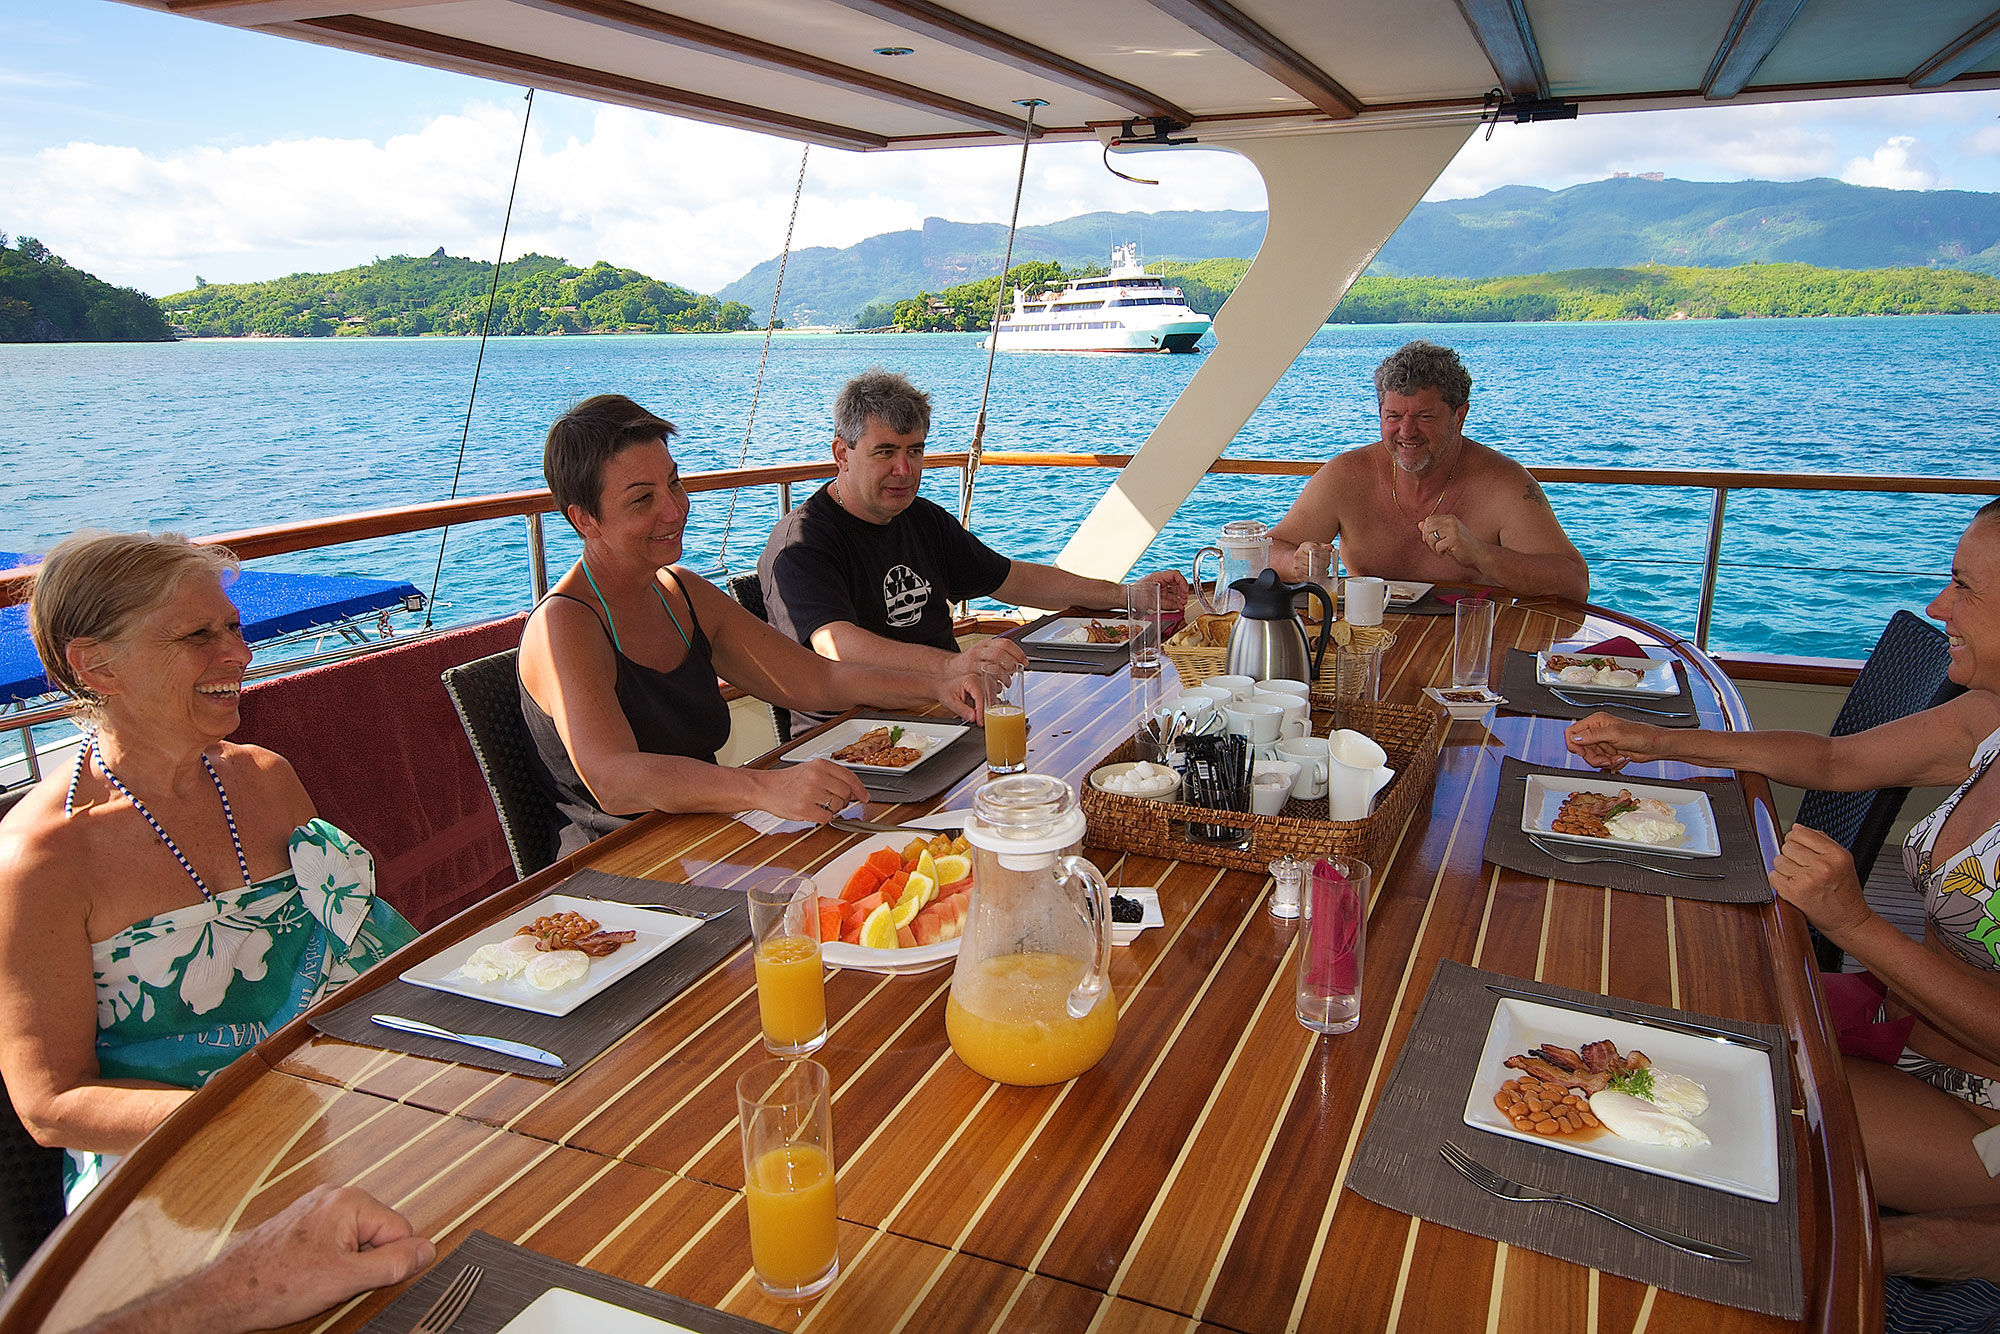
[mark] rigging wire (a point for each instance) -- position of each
(485, 324)
(757, 390)
(993, 335)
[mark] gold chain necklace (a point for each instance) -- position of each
(1450, 472)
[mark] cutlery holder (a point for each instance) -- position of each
(1157, 828)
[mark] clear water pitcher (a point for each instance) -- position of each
(1031, 998)
(1242, 552)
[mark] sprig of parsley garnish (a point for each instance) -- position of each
(1638, 1083)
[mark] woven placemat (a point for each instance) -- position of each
(1525, 694)
(1076, 662)
(1746, 879)
(515, 1276)
(1424, 1103)
(581, 1034)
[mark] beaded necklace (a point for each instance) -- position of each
(69, 802)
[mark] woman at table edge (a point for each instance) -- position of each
(619, 663)
(170, 898)
(1920, 1115)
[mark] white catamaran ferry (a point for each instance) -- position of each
(1126, 310)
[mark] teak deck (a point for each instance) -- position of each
(1193, 1180)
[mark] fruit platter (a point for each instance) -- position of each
(897, 904)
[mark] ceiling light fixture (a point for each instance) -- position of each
(894, 51)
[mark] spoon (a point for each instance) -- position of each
(1580, 859)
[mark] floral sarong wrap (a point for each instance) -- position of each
(183, 994)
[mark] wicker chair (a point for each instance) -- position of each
(749, 593)
(31, 1175)
(487, 695)
(1904, 675)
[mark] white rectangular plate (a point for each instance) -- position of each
(1074, 632)
(930, 738)
(1402, 593)
(560, 1311)
(1546, 792)
(1656, 675)
(830, 878)
(1741, 1119)
(656, 931)
(1124, 933)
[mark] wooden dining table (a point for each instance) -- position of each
(1194, 1179)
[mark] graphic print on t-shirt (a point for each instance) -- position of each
(905, 594)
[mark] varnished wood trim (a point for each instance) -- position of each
(1241, 36)
(1756, 30)
(1794, 671)
(964, 34)
(1970, 49)
(635, 20)
(491, 62)
(255, 13)
(1503, 32)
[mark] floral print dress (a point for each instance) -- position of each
(181, 995)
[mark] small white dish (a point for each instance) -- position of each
(1465, 702)
(1656, 675)
(1099, 778)
(1403, 593)
(1124, 933)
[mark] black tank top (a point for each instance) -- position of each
(680, 712)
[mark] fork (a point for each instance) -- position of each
(1576, 703)
(447, 1307)
(1580, 859)
(1509, 1189)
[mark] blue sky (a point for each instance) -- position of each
(148, 149)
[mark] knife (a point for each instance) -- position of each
(519, 1050)
(1684, 1026)
(877, 827)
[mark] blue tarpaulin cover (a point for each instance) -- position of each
(272, 605)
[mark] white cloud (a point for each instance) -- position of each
(1897, 165)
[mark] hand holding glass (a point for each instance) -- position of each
(791, 983)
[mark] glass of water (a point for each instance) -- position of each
(1472, 641)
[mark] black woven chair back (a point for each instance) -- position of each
(1904, 675)
(487, 694)
(749, 593)
(30, 1175)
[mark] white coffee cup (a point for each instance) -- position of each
(1310, 754)
(1256, 723)
(1239, 687)
(1298, 713)
(1279, 685)
(1366, 597)
(1272, 783)
(1209, 696)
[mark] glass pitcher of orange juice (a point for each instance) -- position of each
(1031, 998)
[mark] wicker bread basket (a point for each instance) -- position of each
(1200, 649)
(1161, 828)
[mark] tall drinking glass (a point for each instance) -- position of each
(1322, 567)
(1142, 609)
(791, 984)
(1471, 641)
(787, 1122)
(1332, 934)
(1007, 725)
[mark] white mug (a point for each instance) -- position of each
(1298, 713)
(1256, 723)
(1239, 687)
(1310, 754)
(1366, 596)
(1271, 785)
(1194, 696)
(1279, 685)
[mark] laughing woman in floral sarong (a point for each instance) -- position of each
(169, 899)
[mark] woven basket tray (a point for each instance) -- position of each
(1196, 659)
(1160, 828)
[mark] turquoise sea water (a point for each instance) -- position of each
(216, 436)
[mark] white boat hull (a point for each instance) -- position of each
(1103, 335)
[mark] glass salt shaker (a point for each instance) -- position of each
(1287, 873)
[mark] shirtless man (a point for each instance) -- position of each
(1426, 503)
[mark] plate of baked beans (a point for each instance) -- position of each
(552, 955)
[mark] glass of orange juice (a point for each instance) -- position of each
(787, 1121)
(791, 983)
(1007, 724)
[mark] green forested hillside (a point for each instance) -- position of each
(440, 293)
(44, 300)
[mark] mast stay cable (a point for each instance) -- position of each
(757, 390)
(993, 334)
(485, 325)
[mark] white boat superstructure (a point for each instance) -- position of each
(1126, 310)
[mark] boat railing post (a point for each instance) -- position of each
(1711, 561)
(538, 558)
(28, 755)
(784, 497)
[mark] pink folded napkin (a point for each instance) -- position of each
(1475, 595)
(1854, 1001)
(1619, 647)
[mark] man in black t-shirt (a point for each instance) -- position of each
(866, 570)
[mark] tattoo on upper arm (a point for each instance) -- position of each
(1533, 495)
